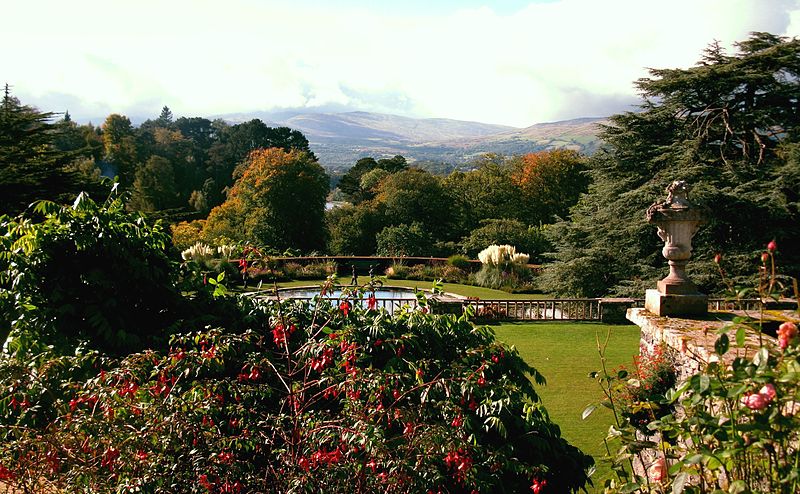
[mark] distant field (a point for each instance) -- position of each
(565, 353)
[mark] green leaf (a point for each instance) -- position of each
(722, 344)
(740, 333)
(705, 382)
(761, 357)
(737, 487)
(629, 487)
(693, 460)
(588, 411)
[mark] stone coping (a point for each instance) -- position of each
(692, 339)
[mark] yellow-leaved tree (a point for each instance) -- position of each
(279, 201)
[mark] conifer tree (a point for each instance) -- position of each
(31, 167)
(729, 126)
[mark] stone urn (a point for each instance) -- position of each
(677, 221)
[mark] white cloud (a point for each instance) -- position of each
(200, 58)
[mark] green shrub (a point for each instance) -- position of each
(459, 261)
(529, 239)
(397, 271)
(300, 401)
(91, 272)
(404, 240)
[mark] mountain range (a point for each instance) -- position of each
(340, 139)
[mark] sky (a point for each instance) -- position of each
(512, 62)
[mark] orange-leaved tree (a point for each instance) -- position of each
(550, 183)
(279, 201)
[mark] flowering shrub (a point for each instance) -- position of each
(736, 428)
(339, 398)
(642, 398)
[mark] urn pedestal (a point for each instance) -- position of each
(677, 221)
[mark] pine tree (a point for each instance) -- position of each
(165, 118)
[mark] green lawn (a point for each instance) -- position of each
(565, 353)
(465, 290)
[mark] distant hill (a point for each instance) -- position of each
(339, 139)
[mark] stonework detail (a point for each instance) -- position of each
(677, 220)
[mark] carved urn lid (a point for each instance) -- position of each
(676, 207)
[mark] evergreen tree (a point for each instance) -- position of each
(31, 167)
(165, 118)
(729, 127)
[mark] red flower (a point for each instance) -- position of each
(718, 258)
(6, 474)
(109, 457)
(344, 306)
(772, 246)
(658, 470)
(409, 428)
(537, 485)
(141, 455)
(280, 334)
(786, 332)
(481, 381)
(205, 483)
(755, 401)
(372, 302)
(458, 421)
(210, 353)
(764, 257)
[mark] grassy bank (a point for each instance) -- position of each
(565, 353)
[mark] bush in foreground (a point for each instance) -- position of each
(307, 400)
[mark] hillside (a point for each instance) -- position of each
(339, 139)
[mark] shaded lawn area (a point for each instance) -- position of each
(565, 353)
(465, 290)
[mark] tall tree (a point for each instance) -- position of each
(486, 192)
(120, 146)
(154, 186)
(350, 183)
(279, 201)
(415, 195)
(550, 182)
(31, 166)
(165, 118)
(727, 126)
(236, 142)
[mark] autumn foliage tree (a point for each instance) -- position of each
(549, 182)
(279, 201)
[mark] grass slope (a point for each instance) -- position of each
(565, 353)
